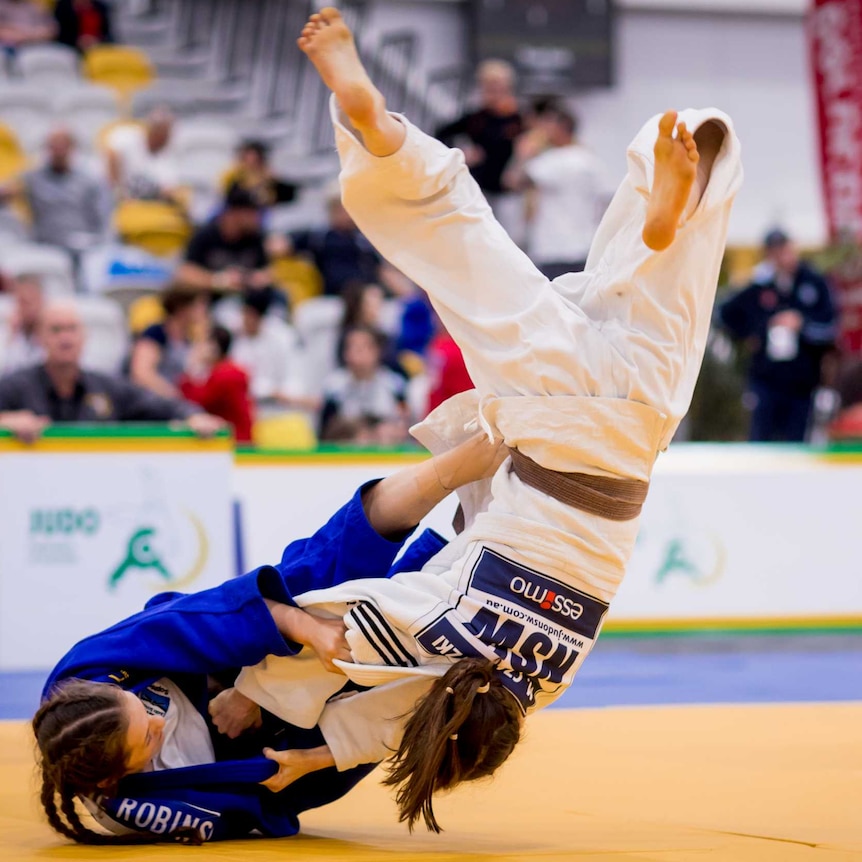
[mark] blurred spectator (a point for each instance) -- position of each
(59, 390)
(69, 207)
(219, 385)
(81, 24)
(253, 174)
(23, 347)
(364, 402)
(159, 356)
(786, 319)
(566, 197)
(364, 305)
(340, 251)
(23, 22)
(487, 135)
(848, 423)
(269, 349)
(142, 163)
(447, 372)
(227, 255)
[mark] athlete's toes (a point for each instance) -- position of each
(330, 14)
(666, 124)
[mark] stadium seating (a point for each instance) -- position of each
(47, 63)
(290, 431)
(88, 109)
(51, 264)
(26, 108)
(121, 68)
(12, 157)
(156, 227)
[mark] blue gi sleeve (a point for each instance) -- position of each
(224, 800)
(229, 626)
(346, 548)
(224, 627)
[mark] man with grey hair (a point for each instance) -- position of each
(60, 390)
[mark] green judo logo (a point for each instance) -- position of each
(140, 555)
(143, 555)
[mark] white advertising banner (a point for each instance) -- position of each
(729, 534)
(87, 538)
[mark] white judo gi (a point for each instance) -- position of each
(590, 373)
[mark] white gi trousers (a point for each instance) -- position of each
(591, 372)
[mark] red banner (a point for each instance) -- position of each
(835, 40)
(835, 37)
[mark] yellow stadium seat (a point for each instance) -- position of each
(144, 312)
(156, 227)
(119, 67)
(12, 158)
(298, 278)
(286, 431)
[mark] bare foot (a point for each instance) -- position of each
(676, 161)
(329, 44)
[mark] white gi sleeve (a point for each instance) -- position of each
(366, 727)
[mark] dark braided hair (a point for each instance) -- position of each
(463, 729)
(81, 733)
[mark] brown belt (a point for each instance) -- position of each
(615, 499)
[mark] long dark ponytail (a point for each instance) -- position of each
(463, 729)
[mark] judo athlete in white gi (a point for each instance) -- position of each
(587, 375)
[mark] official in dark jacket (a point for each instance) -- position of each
(787, 319)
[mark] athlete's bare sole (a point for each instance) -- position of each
(676, 161)
(329, 44)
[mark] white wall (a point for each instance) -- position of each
(754, 66)
(756, 69)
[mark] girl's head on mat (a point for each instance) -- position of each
(463, 729)
(90, 735)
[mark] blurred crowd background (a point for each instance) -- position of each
(164, 254)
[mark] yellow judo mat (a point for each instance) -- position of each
(670, 784)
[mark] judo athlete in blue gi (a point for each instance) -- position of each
(124, 725)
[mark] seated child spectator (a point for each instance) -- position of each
(161, 350)
(364, 402)
(270, 351)
(218, 384)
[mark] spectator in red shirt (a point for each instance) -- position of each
(218, 384)
(446, 368)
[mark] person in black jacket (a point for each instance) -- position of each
(786, 317)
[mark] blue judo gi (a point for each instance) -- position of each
(187, 638)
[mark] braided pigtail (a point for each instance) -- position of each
(461, 730)
(80, 732)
